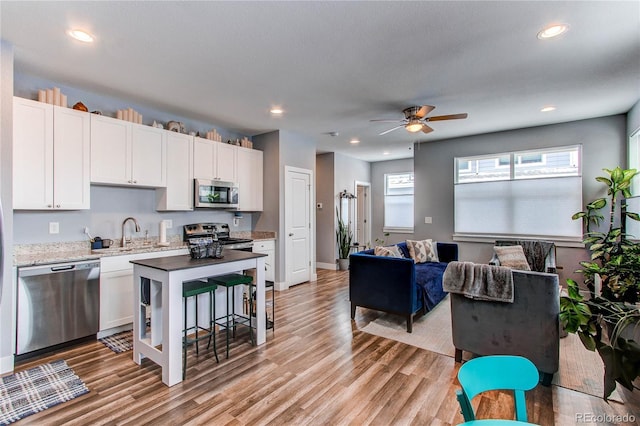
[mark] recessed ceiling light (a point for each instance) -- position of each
(553, 30)
(385, 153)
(276, 111)
(81, 35)
(354, 141)
(548, 108)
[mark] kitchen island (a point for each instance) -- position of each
(163, 342)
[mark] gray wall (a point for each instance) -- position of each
(282, 148)
(604, 146)
(378, 170)
(335, 173)
(27, 86)
(7, 304)
(325, 217)
(268, 219)
(296, 151)
(110, 205)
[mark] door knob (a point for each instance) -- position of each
(291, 234)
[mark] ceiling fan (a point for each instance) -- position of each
(415, 119)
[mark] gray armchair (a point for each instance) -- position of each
(527, 327)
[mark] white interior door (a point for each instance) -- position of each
(297, 225)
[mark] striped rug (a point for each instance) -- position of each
(120, 342)
(36, 389)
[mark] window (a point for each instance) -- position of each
(398, 202)
(524, 193)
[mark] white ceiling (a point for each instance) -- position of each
(333, 66)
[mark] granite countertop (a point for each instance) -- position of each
(254, 235)
(39, 254)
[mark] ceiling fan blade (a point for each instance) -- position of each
(385, 120)
(424, 110)
(446, 117)
(390, 130)
(426, 129)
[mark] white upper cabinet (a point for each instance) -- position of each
(124, 153)
(148, 156)
(214, 160)
(225, 161)
(51, 146)
(250, 180)
(178, 194)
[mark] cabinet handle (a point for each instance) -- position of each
(129, 181)
(291, 235)
(49, 205)
(57, 205)
(135, 181)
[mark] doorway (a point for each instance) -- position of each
(363, 214)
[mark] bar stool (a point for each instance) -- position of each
(193, 289)
(231, 319)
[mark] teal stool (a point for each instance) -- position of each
(230, 320)
(496, 372)
(193, 289)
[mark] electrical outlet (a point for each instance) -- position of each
(169, 223)
(428, 219)
(54, 227)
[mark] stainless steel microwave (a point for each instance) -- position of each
(215, 194)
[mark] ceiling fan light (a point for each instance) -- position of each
(413, 126)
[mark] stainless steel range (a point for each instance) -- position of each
(217, 231)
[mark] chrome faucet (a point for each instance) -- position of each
(124, 238)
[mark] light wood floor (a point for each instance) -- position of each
(317, 369)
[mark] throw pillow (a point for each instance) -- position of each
(390, 251)
(512, 257)
(422, 251)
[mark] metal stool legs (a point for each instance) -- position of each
(193, 289)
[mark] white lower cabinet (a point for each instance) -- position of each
(267, 247)
(116, 287)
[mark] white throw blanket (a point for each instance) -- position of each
(479, 281)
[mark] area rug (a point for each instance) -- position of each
(580, 369)
(36, 389)
(120, 342)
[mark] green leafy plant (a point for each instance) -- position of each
(344, 238)
(608, 320)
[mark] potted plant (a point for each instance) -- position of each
(344, 238)
(607, 321)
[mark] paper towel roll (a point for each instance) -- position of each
(163, 234)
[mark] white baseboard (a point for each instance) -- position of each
(114, 330)
(330, 266)
(280, 285)
(6, 364)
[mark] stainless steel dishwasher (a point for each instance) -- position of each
(57, 303)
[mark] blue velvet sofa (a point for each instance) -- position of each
(398, 285)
